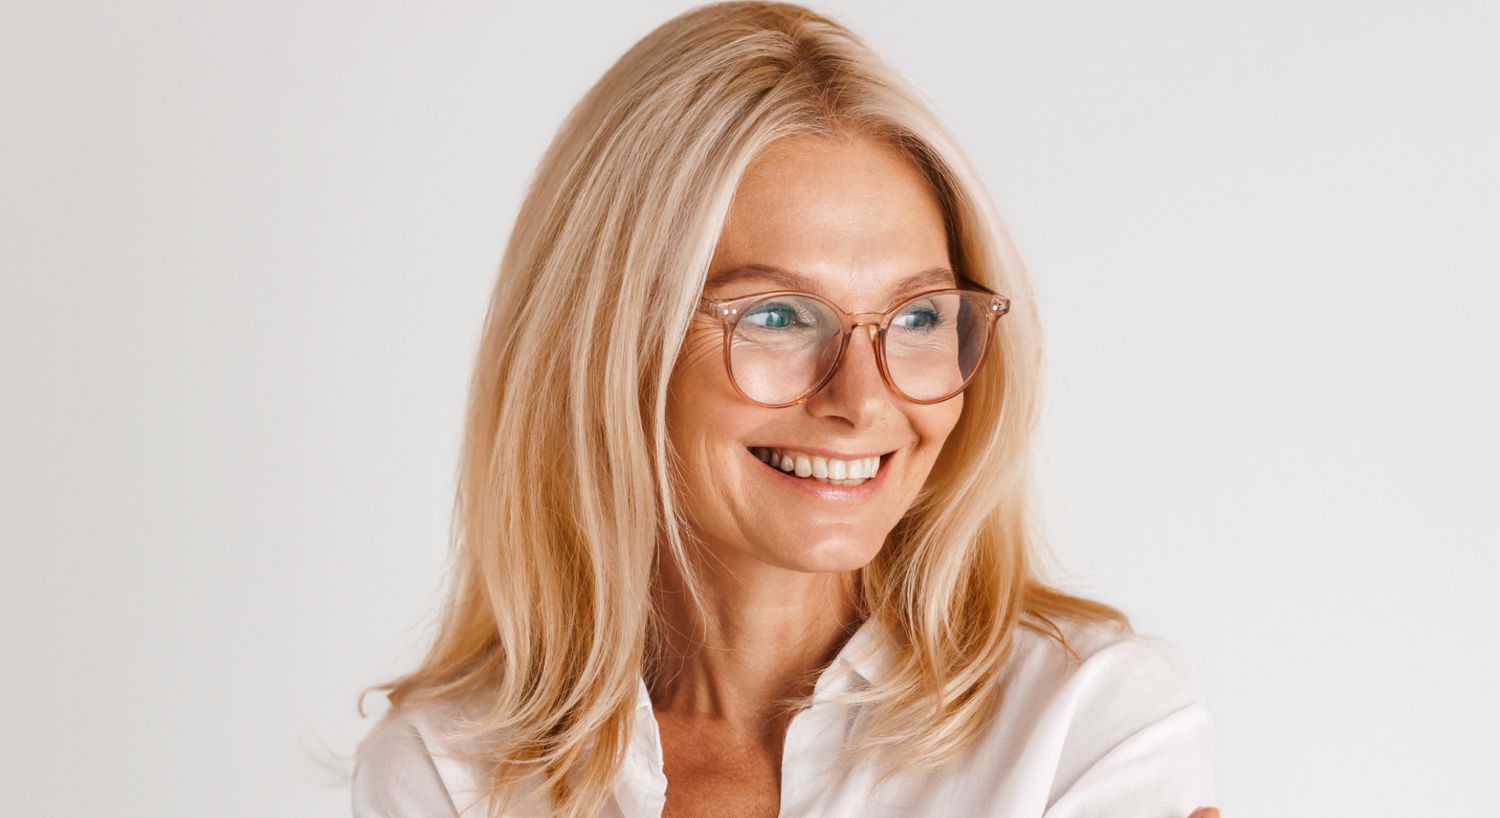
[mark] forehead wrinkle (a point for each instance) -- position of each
(788, 279)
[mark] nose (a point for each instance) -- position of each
(856, 391)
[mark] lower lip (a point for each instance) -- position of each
(828, 491)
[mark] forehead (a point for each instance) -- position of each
(847, 219)
(781, 278)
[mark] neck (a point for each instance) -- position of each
(766, 635)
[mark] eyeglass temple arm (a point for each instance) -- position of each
(963, 279)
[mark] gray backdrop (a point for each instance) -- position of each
(245, 254)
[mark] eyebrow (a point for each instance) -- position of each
(936, 276)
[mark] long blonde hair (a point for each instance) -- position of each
(565, 490)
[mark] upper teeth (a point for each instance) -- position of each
(823, 468)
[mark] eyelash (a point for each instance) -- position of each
(798, 318)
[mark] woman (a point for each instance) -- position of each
(743, 501)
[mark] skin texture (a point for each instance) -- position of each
(855, 217)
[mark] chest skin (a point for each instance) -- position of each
(718, 771)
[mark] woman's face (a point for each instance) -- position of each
(854, 219)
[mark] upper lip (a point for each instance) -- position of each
(826, 453)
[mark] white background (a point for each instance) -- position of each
(246, 249)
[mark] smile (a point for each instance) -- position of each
(832, 478)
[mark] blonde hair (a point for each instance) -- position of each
(565, 489)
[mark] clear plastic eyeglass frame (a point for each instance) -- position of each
(729, 311)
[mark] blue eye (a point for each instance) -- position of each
(919, 318)
(773, 316)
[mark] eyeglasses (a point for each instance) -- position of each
(781, 347)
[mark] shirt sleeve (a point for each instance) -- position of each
(1141, 741)
(394, 776)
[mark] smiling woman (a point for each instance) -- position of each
(743, 523)
(853, 216)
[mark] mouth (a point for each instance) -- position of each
(831, 478)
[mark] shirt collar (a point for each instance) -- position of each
(641, 789)
(868, 654)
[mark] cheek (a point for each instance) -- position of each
(702, 406)
(694, 388)
(702, 353)
(938, 420)
(933, 425)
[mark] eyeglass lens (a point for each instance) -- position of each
(782, 346)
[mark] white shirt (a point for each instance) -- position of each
(1125, 733)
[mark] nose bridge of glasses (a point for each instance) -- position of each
(866, 319)
(871, 322)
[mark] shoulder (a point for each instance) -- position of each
(1119, 713)
(396, 769)
(418, 760)
(1104, 663)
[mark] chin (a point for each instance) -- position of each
(830, 554)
